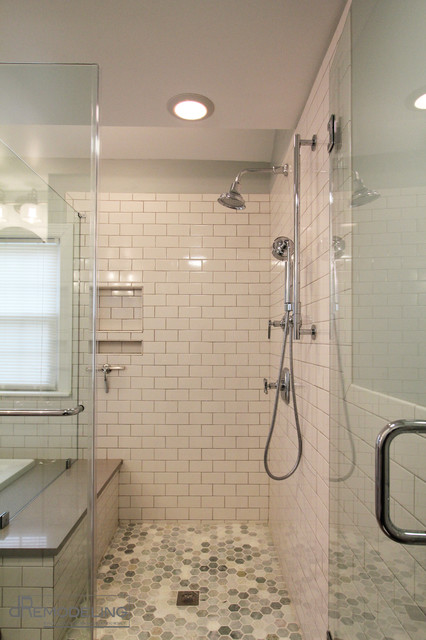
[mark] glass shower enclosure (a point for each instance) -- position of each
(47, 251)
(378, 267)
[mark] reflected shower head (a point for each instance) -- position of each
(233, 198)
(282, 247)
(338, 246)
(361, 194)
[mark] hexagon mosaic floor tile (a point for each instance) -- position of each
(368, 599)
(233, 566)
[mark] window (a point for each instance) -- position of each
(35, 323)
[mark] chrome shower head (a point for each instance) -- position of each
(282, 248)
(361, 194)
(233, 198)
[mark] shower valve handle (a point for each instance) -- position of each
(284, 385)
(106, 369)
(274, 323)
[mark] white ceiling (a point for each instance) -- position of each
(256, 59)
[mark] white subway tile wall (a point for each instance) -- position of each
(187, 415)
(299, 506)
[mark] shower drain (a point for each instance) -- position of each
(188, 598)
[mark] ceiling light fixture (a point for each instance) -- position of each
(416, 100)
(190, 106)
(420, 103)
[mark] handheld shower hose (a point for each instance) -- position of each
(286, 332)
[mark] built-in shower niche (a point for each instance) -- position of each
(120, 317)
(41, 333)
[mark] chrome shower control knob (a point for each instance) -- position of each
(268, 385)
(284, 385)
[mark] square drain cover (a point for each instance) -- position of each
(188, 598)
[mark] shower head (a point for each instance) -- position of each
(361, 194)
(282, 248)
(233, 198)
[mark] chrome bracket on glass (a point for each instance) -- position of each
(47, 413)
(383, 442)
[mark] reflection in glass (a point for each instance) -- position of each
(377, 586)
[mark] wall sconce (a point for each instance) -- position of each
(25, 212)
(28, 210)
(34, 215)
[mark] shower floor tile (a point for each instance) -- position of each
(233, 566)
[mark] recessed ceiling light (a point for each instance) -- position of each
(190, 106)
(420, 103)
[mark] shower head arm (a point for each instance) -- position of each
(276, 170)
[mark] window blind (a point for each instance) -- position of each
(29, 315)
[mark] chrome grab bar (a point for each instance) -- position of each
(49, 413)
(383, 442)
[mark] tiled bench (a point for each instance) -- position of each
(44, 550)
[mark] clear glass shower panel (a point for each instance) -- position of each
(39, 281)
(46, 349)
(378, 310)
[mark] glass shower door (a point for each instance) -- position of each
(378, 309)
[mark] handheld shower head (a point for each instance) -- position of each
(233, 198)
(283, 250)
